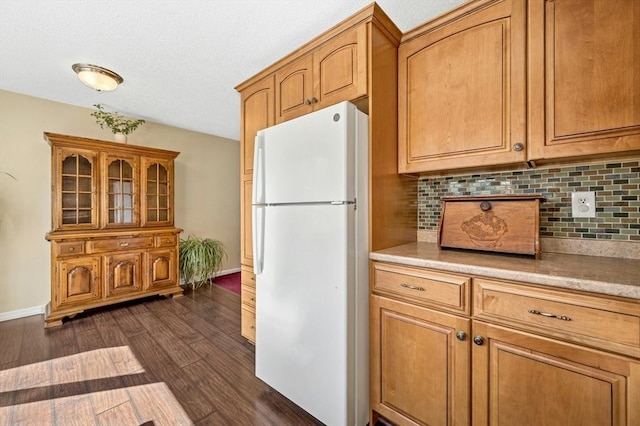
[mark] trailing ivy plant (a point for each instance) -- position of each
(200, 259)
(114, 121)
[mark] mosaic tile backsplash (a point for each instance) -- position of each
(617, 188)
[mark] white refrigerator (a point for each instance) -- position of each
(310, 239)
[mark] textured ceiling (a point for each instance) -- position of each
(180, 59)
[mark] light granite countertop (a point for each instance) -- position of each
(605, 275)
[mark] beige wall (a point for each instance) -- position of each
(207, 189)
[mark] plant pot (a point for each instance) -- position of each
(120, 137)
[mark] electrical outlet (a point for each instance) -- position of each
(583, 204)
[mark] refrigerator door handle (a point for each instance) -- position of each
(258, 238)
(258, 170)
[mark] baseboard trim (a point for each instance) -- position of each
(21, 313)
(227, 272)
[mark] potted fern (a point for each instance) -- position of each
(200, 259)
(117, 123)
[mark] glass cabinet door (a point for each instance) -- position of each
(75, 199)
(158, 192)
(120, 191)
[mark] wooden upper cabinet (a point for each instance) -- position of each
(584, 77)
(294, 94)
(257, 113)
(105, 185)
(120, 195)
(340, 68)
(462, 89)
(74, 200)
(157, 183)
(334, 72)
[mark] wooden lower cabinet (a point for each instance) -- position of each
(525, 355)
(92, 270)
(523, 379)
(161, 269)
(420, 364)
(79, 281)
(123, 274)
(248, 298)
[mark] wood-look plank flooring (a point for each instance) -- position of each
(158, 361)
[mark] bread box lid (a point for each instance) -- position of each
(505, 224)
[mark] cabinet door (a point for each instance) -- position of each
(294, 89)
(257, 112)
(340, 68)
(156, 198)
(161, 269)
(519, 378)
(74, 177)
(419, 368)
(584, 77)
(78, 282)
(120, 206)
(246, 228)
(123, 274)
(462, 91)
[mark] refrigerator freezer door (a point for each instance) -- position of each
(305, 326)
(306, 159)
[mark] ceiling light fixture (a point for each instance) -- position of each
(101, 79)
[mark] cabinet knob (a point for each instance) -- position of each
(314, 100)
(518, 146)
(461, 335)
(478, 340)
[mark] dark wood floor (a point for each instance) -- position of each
(169, 361)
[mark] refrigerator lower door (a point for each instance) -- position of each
(304, 323)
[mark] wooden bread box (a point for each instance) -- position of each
(505, 224)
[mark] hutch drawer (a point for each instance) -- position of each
(70, 248)
(165, 240)
(131, 243)
(443, 290)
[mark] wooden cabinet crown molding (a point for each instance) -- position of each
(107, 146)
(371, 13)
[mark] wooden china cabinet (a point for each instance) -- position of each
(113, 237)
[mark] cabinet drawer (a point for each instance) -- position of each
(116, 244)
(248, 296)
(70, 248)
(248, 320)
(247, 277)
(447, 291)
(597, 320)
(165, 240)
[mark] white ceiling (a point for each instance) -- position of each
(180, 59)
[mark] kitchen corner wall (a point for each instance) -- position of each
(616, 184)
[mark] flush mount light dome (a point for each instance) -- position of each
(101, 79)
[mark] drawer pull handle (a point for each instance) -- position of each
(72, 248)
(548, 315)
(124, 244)
(412, 287)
